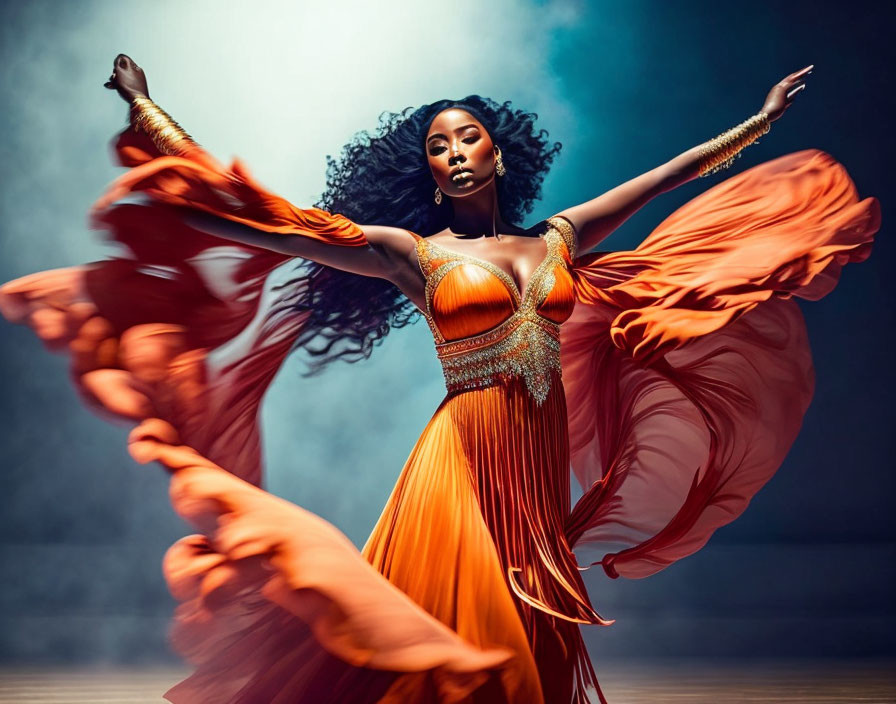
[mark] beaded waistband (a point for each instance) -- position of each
(523, 346)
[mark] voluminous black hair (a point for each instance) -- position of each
(383, 178)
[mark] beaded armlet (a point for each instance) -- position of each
(720, 153)
(168, 136)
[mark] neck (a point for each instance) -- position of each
(477, 215)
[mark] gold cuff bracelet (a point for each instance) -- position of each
(720, 153)
(168, 136)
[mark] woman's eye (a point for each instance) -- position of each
(435, 151)
(471, 139)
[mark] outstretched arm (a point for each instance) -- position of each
(387, 253)
(596, 219)
(382, 252)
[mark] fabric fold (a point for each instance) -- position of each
(197, 181)
(686, 361)
(266, 567)
(182, 334)
(686, 368)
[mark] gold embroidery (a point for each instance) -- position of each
(426, 268)
(526, 348)
(425, 265)
(485, 264)
(526, 345)
(565, 228)
(547, 285)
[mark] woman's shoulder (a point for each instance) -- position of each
(385, 234)
(556, 224)
(399, 244)
(552, 223)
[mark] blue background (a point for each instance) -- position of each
(807, 571)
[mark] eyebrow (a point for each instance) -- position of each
(439, 135)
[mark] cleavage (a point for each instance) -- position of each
(519, 291)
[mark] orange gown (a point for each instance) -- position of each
(671, 379)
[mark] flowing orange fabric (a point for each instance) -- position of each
(183, 334)
(685, 376)
(694, 341)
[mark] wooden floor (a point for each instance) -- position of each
(680, 682)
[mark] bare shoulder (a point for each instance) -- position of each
(564, 220)
(392, 240)
(395, 244)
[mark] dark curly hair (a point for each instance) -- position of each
(383, 178)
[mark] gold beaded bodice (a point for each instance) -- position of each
(485, 328)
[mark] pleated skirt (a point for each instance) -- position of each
(474, 533)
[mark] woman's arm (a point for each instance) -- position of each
(596, 219)
(385, 252)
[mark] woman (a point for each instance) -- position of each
(685, 376)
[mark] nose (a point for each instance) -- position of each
(457, 157)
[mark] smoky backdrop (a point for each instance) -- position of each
(807, 571)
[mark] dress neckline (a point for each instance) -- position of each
(519, 295)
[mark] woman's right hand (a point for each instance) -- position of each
(127, 78)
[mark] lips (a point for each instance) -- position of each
(461, 174)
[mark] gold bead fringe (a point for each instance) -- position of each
(168, 136)
(720, 153)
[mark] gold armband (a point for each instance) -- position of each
(168, 136)
(720, 153)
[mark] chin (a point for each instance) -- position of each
(456, 192)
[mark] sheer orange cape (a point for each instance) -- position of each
(686, 367)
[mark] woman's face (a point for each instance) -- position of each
(460, 152)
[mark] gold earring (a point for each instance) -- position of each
(438, 198)
(499, 165)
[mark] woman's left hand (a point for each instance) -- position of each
(781, 96)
